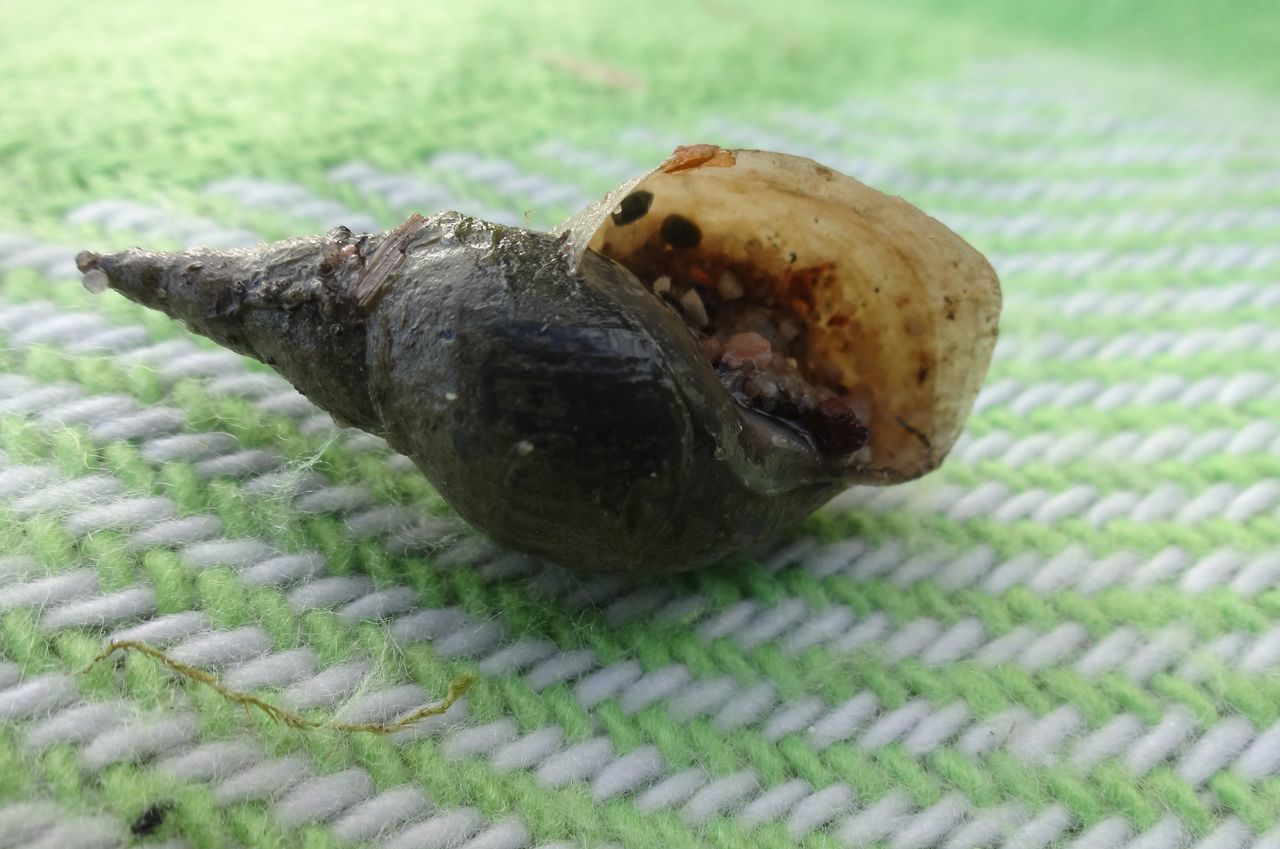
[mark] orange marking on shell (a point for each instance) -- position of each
(687, 157)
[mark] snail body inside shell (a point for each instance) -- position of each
(752, 326)
(679, 371)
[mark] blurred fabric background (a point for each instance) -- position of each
(1067, 636)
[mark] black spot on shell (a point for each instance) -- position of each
(633, 207)
(679, 232)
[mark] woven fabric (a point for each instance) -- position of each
(1065, 637)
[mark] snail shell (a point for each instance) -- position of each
(563, 408)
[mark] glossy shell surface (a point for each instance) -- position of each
(901, 313)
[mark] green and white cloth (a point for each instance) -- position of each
(1069, 636)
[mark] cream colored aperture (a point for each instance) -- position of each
(901, 313)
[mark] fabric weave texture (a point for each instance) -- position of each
(1068, 636)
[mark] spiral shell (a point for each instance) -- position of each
(565, 401)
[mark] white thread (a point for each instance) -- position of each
(628, 773)
(561, 667)
(843, 720)
(234, 553)
(77, 724)
(987, 735)
(892, 726)
(21, 822)
(1015, 571)
(211, 761)
(306, 685)
(334, 499)
(606, 683)
(720, 796)
(883, 817)
(1158, 744)
(36, 696)
(510, 833)
(92, 832)
(516, 657)
(931, 824)
(825, 626)
(654, 686)
(1231, 834)
(747, 707)
(241, 464)
(1157, 653)
(138, 740)
(125, 515)
(1108, 741)
(768, 624)
(64, 497)
(383, 519)
(873, 627)
(380, 605)
(912, 638)
(54, 589)
(177, 532)
(958, 642)
(729, 620)
(166, 629)
(1263, 654)
(153, 421)
(376, 817)
(101, 611)
(329, 592)
(18, 480)
(1262, 757)
(37, 398)
(473, 640)
(323, 798)
(1165, 565)
(1166, 834)
(445, 830)
(1219, 745)
(1005, 648)
(1039, 741)
(774, 803)
(937, 729)
(88, 410)
(1110, 833)
(986, 827)
(1041, 830)
(819, 809)
(384, 705)
(266, 780)
(222, 648)
(701, 698)
(284, 570)
(16, 567)
(1109, 652)
(480, 739)
(793, 717)
(1260, 573)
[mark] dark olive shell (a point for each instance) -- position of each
(564, 409)
(571, 414)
